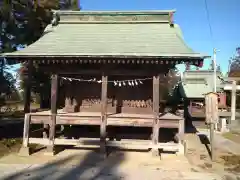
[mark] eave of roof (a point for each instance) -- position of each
(194, 90)
(109, 55)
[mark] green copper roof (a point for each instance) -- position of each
(195, 90)
(198, 82)
(145, 34)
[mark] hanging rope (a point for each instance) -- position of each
(127, 82)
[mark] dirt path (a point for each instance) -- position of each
(81, 164)
(75, 164)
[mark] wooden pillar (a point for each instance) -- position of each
(181, 132)
(233, 101)
(155, 133)
(27, 76)
(211, 106)
(190, 110)
(103, 127)
(52, 124)
(27, 86)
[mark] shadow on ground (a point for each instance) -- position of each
(77, 166)
(205, 141)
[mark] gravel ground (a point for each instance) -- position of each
(89, 165)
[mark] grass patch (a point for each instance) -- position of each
(231, 162)
(8, 146)
(233, 136)
(15, 114)
(13, 145)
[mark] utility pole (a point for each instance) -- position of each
(215, 69)
(215, 79)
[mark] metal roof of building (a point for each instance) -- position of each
(198, 82)
(136, 33)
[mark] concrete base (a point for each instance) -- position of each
(50, 151)
(155, 152)
(223, 125)
(24, 151)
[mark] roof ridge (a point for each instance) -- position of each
(164, 16)
(150, 12)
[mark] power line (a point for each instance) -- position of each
(208, 19)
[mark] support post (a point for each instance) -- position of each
(103, 126)
(155, 133)
(27, 86)
(25, 150)
(212, 126)
(233, 101)
(181, 132)
(45, 130)
(52, 124)
(211, 105)
(27, 73)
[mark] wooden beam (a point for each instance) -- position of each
(27, 87)
(103, 126)
(156, 92)
(54, 95)
(231, 87)
(123, 144)
(90, 71)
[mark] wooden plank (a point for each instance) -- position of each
(134, 120)
(78, 121)
(54, 93)
(41, 119)
(97, 121)
(94, 114)
(168, 123)
(211, 106)
(103, 126)
(155, 112)
(130, 122)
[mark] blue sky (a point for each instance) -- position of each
(192, 17)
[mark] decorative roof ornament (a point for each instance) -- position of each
(171, 22)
